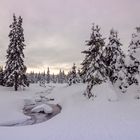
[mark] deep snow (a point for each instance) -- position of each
(80, 118)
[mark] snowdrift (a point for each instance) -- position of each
(80, 118)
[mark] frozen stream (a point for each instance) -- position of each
(41, 116)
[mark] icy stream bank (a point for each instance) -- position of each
(36, 117)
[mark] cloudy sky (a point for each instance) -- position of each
(56, 30)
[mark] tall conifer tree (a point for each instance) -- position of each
(14, 74)
(114, 60)
(134, 62)
(114, 56)
(93, 67)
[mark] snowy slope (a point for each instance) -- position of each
(80, 119)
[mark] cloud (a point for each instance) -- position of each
(56, 30)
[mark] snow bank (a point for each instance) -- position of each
(80, 119)
(11, 106)
(12, 103)
(29, 102)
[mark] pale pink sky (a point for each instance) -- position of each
(56, 30)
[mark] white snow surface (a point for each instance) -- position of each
(29, 102)
(80, 118)
(43, 107)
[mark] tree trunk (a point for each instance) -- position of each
(16, 81)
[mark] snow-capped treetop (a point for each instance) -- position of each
(134, 47)
(72, 76)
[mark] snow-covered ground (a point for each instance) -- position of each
(80, 118)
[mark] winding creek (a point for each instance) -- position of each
(38, 117)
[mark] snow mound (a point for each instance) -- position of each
(42, 108)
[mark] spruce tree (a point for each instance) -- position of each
(68, 78)
(42, 79)
(39, 77)
(93, 67)
(134, 63)
(114, 60)
(14, 74)
(79, 80)
(72, 76)
(60, 80)
(48, 75)
(53, 78)
(63, 77)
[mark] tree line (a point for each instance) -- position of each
(42, 78)
(102, 63)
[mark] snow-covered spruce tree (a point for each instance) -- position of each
(53, 79)
(60, 80)
(61, 77)
(48, 75)
(114, 60)
(93, 67)
(42, 80)
(38, 77)
(79, 80)
(134, 62)
(72, 76)
(14, 74)
(68, 77)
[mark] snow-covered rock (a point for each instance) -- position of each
(42, 108)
